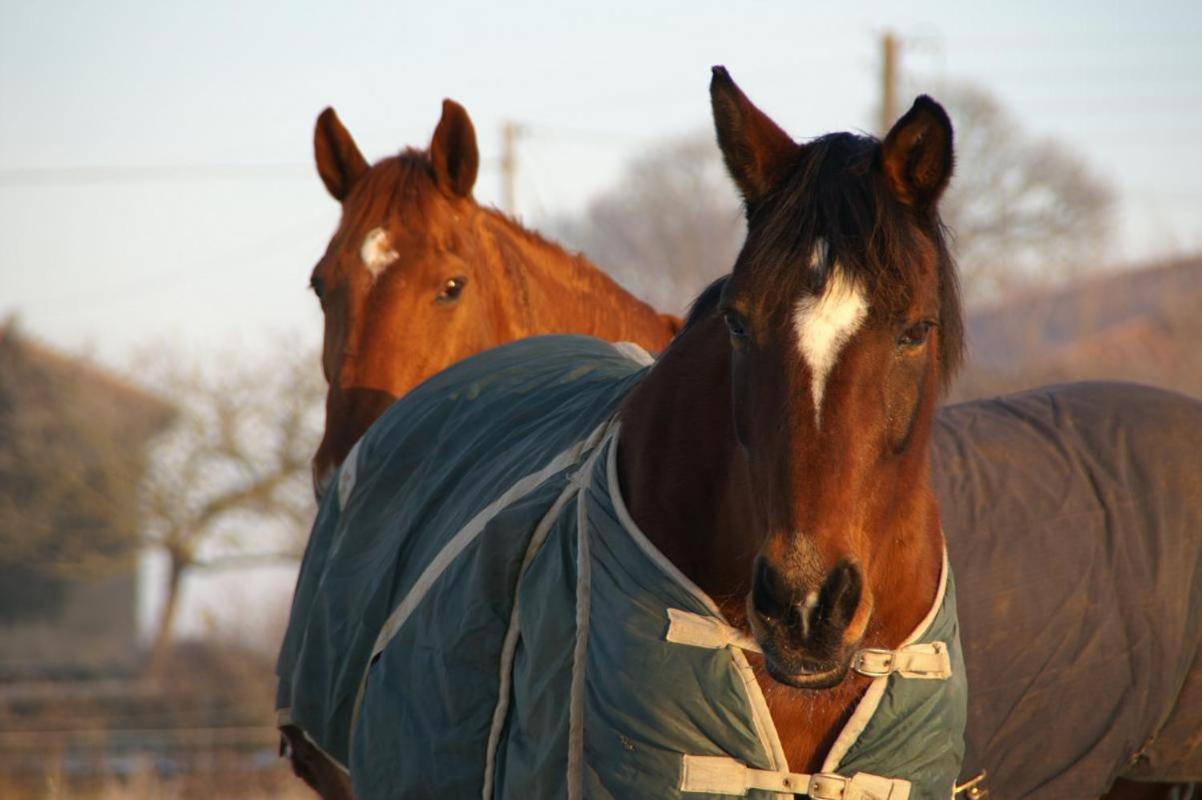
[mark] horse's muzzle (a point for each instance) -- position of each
(803, 631)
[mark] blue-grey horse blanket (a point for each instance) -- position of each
(478, 616)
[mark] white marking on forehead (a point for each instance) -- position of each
(823, 324)
(377, 252)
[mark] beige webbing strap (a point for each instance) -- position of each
(697, 630)
(929, 661)
(722, 775)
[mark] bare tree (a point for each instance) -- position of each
(1023, 212)
(671, 224)
(233, 474)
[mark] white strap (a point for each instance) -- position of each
(697, 630)
(930, 661)
(723, 775)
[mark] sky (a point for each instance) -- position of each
(156, 176)
(157, 186)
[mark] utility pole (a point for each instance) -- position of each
(510, 131)
(890, 45)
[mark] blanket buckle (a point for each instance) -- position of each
(874, 662)
(973, 788)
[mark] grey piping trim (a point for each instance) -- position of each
(868, 704)
(765, 728)
(584, 586)
(509, 648)
(283, 716)
(651, 551)
(457, 544)
(348, 474)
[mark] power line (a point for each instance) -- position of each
(131, 174)
(160, 281)
(85, 175)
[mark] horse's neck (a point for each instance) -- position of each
(557, 292)
(694, 502)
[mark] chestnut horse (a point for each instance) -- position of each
(777, 453)
(418, 276)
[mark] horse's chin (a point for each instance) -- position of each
(812, 676)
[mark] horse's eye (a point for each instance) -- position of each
(451, 289)
(916, 335)
(736, 325)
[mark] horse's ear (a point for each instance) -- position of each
(757, 152)
(453, 150)
(917, 154)
(339, 162)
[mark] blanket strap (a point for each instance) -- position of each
(726, 776)
(924, 661)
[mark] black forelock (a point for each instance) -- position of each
(836, 191)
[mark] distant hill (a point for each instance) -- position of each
(1142, 325)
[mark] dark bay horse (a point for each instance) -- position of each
(842, 324)
(415, 252)
(775, 459)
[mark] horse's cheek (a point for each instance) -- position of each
(905, 389)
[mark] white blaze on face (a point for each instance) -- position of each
(377, 252)
(823, 324)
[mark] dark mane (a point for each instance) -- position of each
(834, 192)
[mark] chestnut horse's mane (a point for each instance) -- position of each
(866, 229)
(410, 176)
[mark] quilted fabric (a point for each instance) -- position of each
(1073, 517)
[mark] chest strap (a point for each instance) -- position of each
(722, 775)
(920, 660)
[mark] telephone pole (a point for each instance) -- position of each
(890, 45)
(510, 131)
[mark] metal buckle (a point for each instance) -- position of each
(861, 665)
(827, 786)
(973, 788)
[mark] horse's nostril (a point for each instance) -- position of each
(840, 596)
(770, 595)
